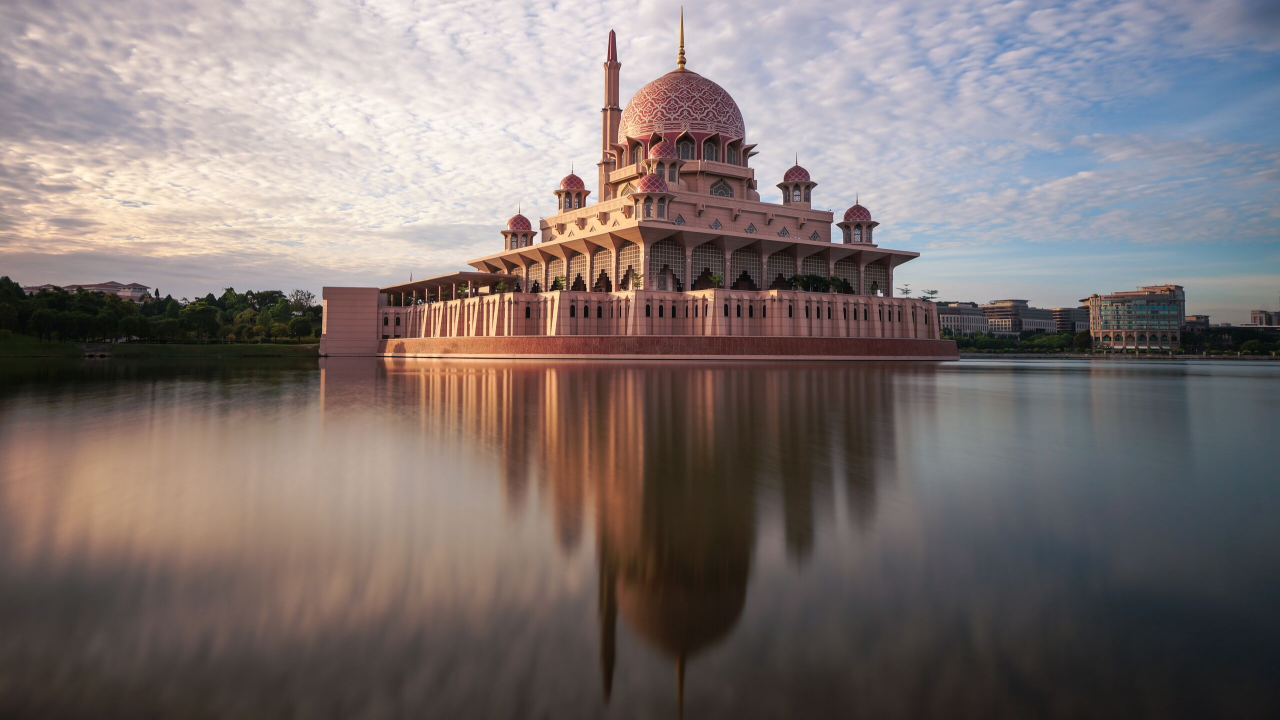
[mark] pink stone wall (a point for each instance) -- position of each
(674, 347)
(350, 325)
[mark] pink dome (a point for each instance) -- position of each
(857, 213)
(651, 183)
(662, 151)
(678, 101)
(572, 182)
(519, 223)
(796, 174)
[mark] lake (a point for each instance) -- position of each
(363, 538)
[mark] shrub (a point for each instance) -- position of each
(6, 335)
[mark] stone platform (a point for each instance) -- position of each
(670, 347)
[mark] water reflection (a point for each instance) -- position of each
(490, 539)
(668, 464)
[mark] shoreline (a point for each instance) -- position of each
(1120, 357)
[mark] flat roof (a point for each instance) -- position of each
(455, 278)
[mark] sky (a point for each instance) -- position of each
(1042, 151)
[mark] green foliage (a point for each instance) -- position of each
(299, 327)
(1083, 341)
(8, 316)
(558, 283)
(6, 335)
(201, 318)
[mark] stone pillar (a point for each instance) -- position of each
(688, 269)
(888, 271)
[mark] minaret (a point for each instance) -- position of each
(611, 118)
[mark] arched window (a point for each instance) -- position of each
(599, 312)
(846, 313)
(397, 320)
(828, 312)
(568, 202)
(764, 311)
(684, 148)
(635, 154)
(881, 314)
(721, 188)
(577, 201)
(857, 234)
(660, 309)
(791, 311)
(899, 314)
(573, 311)
(808, 194)
(846, 234)
(671, 173)
(751, 311)
(385, 321)
(864, 314)
(662, 207)
(526, 312)
(739, 311)
(710, 151)
(726, 309)
(648, 207)
(806, 312)
(648, 312)
(673, 310)
(731, 155)
(795, 194)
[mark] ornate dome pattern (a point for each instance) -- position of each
(651, 183)
(519, 223)
(857, 213)
(681, 100)
(572, 182)
(796, 174)
(662, 151)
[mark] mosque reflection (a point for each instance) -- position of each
(672, 467)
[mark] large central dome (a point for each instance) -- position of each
(681, 100)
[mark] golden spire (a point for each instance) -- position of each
(680, 57)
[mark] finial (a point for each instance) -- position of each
(856, 201)
(613, 48)
(570, 167)
(797, 158)
(680, 57)
(517, 208)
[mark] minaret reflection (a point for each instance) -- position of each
(673, 463)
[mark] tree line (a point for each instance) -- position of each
(58, 315)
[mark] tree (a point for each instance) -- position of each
(201, 318)
(1251, 347)
(43, 323)
(717, 280)
(300, 300)
(1083, 340)
(558, 283)
(8, 316)
(905, 291)
(299, 327)
(929, 296)
(105, 325)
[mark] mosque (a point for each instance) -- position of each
(677, 256)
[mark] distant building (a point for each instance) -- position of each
(962, 318)
(1196, 323)
(129, 291)
(1264, 318)
(1149, 318)
(1071, 320)
(1012, 317)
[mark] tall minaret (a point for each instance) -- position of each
(611, 117)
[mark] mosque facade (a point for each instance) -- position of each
(676, 255)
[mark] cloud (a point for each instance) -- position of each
(366, 139)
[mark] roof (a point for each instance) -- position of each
(681, 101)
(651, 183)
(857, 213)
(447, 281)
(796, 174)
(572, 182)
(519, 223)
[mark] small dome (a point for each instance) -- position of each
(519, 223)
(651, 183)
(572, 182)
(796, 174)
(662, 151)
(857, 213)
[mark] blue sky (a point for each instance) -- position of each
(1040, 151)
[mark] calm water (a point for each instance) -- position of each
(380, 539)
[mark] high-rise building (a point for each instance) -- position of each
(962, 318)
(1149, 318)
(1196, 323)
(1071, 320)
(1012, 317)
(1264, 318)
